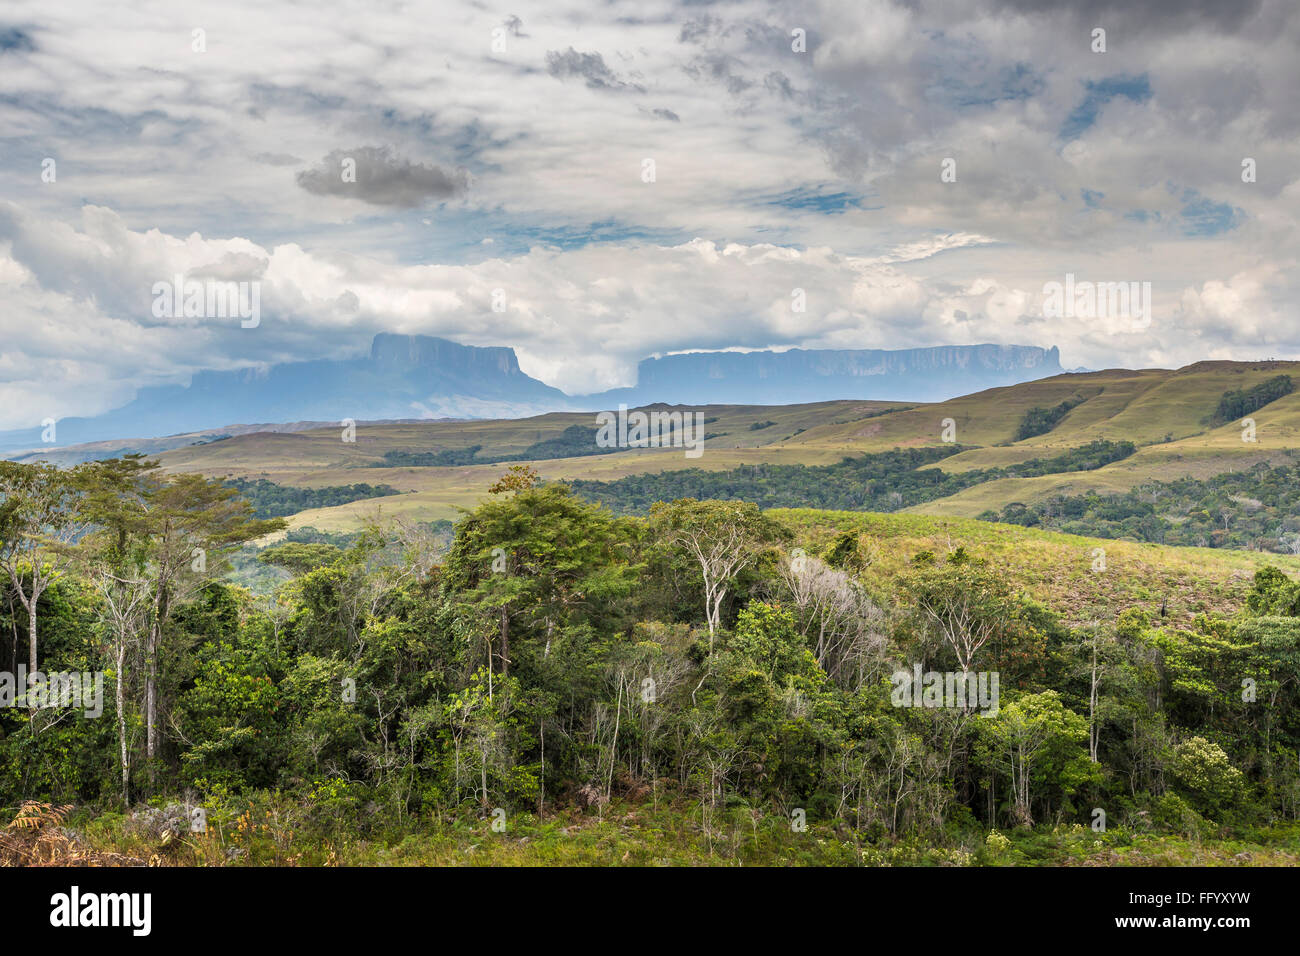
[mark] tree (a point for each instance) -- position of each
(964, 602)
(517, 478)
(1203, 770)
(723, 537)
(1033, 737)
(188, 522)
(538, 558)
(837, 617)
(1099, 652)
(40, 517)
(114, 556)
(298, 557)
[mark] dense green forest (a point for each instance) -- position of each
(1256, 510)
(1246, 401)
(270, 500)
(885, 481)
(574, 442)
(697, 674)
(1040, 421)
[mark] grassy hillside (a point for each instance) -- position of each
(320, 457)
(1165, 412)
(1055, 569)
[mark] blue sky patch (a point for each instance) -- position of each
(1099, 93)
(815, 199)
(1203, 216)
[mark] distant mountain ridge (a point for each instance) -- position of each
(818, 375)
(403, 377)
(423, 377)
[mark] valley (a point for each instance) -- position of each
(1165, 413)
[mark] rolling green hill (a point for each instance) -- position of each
(1168, 414)
(1059, 570)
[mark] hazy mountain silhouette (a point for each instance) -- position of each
(802, 375)
(418, 376)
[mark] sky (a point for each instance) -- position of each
(921, 171)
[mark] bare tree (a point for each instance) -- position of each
(723, 537)
(837, 616)
(125, 612)
(964, 604)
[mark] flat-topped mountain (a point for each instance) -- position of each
(403, 377)
(819, 375)
(423, 377)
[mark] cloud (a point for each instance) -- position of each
(588, 66)
(376, 176)
(278, 159)
(1165, 15)
(580, 318)
(817, 169)
(14, 39)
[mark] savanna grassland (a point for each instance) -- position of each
(1168, 415)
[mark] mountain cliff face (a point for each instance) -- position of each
(423, 354)
(799, 375)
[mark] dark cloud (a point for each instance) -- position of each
(1165, 15)
(14, 40)
(590, 67)
(721, 69)
(382, 178)
(667, 114)
(694, 30)
(778, 83)
(277, 159)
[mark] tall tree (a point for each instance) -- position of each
(114, 556)
(536, 558)
(189, 522)
(962, 601)
(723, 537)
(40, 516)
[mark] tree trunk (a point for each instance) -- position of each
(121, 721)
(151, 696)
(541, 790)
(1094, 732)
(505, 642)
(151, 682)
(31, 635)
(13, 627)
(31, 653)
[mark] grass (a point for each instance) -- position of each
(1162, 411)
(625, 833)
(1056, 569)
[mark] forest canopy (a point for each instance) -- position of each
(706, 657)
